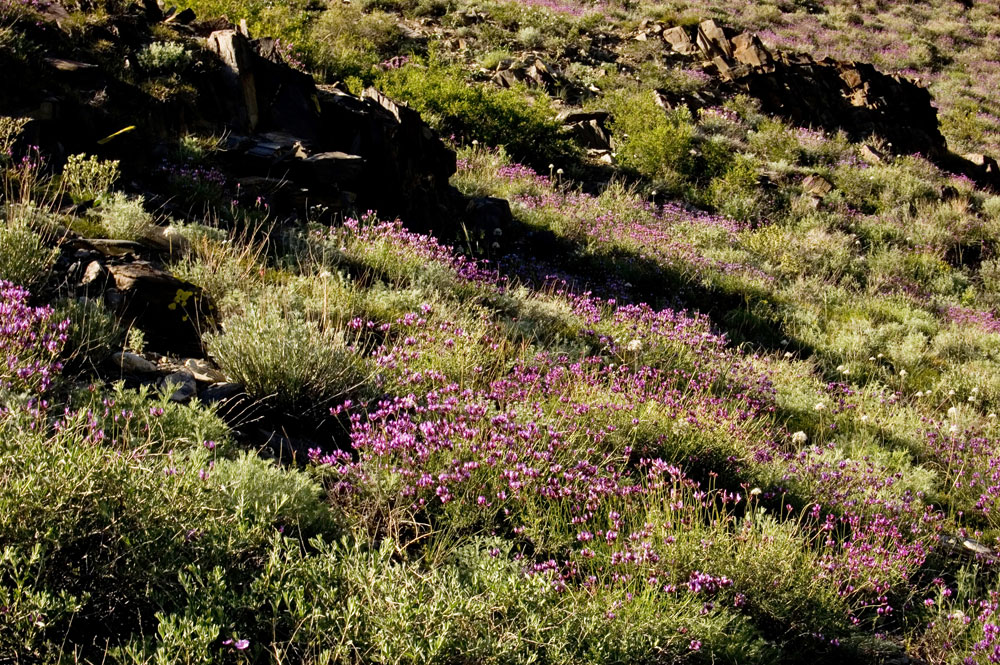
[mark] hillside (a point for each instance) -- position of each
(481, 331)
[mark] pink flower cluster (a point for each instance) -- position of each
(30, 341)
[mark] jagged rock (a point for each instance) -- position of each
(132, 363)
(588, 128)
(541, 74)
(591, 134)
(240, 94)
(506, 78)
(748, 50)
(533, 72)
(108, 247)
(574, 116)
(95, 275)
(404, 166)
(183, 17)
(489, 213)
(694, 101)
(871, 155)
(327, 167)
(170, 312)
(830, 94)
(817, 186)
(712, 41)
(680, 41)
(964, 546)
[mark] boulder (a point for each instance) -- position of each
(829, 94)
(750, 51)
(170, 312)
(490, 214)
(132, 363)
(591, 134)
(182, 386)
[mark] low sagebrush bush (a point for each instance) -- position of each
(124, 218)
(97, 534)
(25, 258)
(164, 58)
(284, 356)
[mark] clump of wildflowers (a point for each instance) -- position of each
(30, 342)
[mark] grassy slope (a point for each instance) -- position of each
(528, 463)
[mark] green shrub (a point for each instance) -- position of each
(524, 125)
(656, 143)
(124, 217)
(283, 356)
(736, 193)
(352, 42)
(88, 178)
(164, 58)
(775, 141)
(100, 535)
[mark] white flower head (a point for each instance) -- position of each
(953, 413)
(799, 438)
(819, 406)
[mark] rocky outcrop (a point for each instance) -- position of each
(335, 149)
(531, 71)
(829, 94)
(321, 149)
